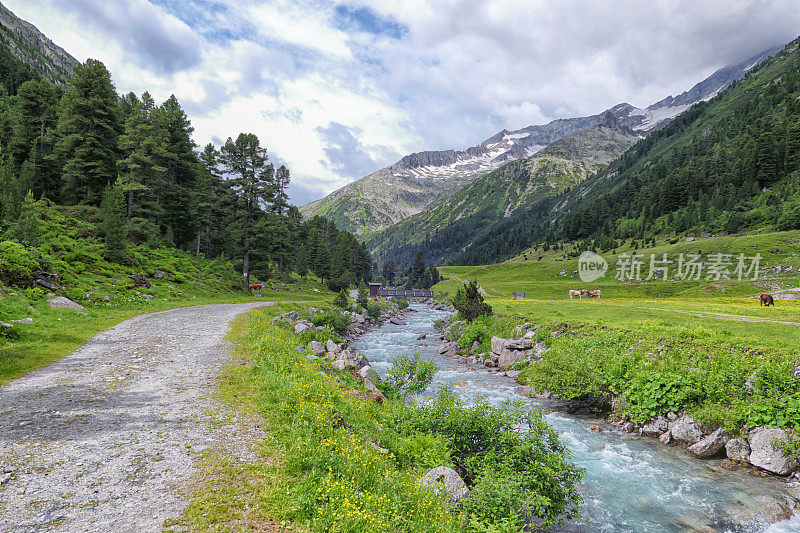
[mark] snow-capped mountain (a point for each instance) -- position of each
(418, 180)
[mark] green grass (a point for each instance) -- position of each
(702, 346)
(723, 310)
(335, 459)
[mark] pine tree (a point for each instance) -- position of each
(363, 294)
(88, 129)
(26, 229)
(389, 271)
(246, 161)
(281, 196)
(35, 119)
(142, 178)
(113, 223)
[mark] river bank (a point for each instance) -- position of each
(631, 485)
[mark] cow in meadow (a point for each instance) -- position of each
(593, 294)
(573, 293)
(255, 287)
(766, 300)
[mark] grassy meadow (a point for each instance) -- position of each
(723, 310)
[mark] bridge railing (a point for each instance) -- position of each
(405, 293)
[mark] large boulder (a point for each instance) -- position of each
(518, 344)
(454, 486)
(60, 302)
(497, 345)
(509, 357)
(357, 318)
(765, 453)
(686, 429)
(316, 348)
(302, 326)
(656, 428)
(711, 445)
(397, 321)
(738, 450)
(333, 348)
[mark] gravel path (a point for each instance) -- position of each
(105, 438)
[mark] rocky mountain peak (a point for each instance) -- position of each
(32, 47)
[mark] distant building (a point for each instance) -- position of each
(373, 288)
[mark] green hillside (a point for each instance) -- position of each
(473, 212)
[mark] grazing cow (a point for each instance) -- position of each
(572, 294)
(593, 294)
(255, 287)
(766, 300)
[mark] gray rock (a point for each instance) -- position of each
(302, 327)
(765, 454)
(34, 310)
(497, 345)
(711, 445)
(5, 324)
(513, 373)
(738, 450)
(665, 438)
(656, 428)
(793, 488)
(291, 316)
(316, 348)
(341, 364)
(5, 478)
(686, 429)
(397, 321)
(671, 416)
(24, 321)
(300, 348)
(454, 486)
(628, 427)
(333, 348)
(60, 302)
(421, 336)
(145, 296)
(357, 318)
(518, 344)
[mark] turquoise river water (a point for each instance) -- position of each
(632, 483)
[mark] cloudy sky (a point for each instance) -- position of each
(337, 90)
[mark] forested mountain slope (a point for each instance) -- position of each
(419, 180)
(723, 166)
(451, 225)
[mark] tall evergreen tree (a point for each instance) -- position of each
(88, 129)
(245, 161)
(113, 222)
(33, 135)
(26, 229)
(142, 178)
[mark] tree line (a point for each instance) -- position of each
(135, 162)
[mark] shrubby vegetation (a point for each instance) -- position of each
(349, 464)
(469, 303)
(721, 385)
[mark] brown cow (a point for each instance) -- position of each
(573, 293)
(593, 294)
(766, 300)
(255, 286)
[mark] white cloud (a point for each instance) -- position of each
(458, 72)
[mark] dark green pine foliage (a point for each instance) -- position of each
(469, 303)
(142, 175)
(245, 161)
(113, 222)
(33, 137)
(26, 229)
(389, 271)
(88, 129)
(79, 144)
(183, 171)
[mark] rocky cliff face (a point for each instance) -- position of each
(421, 179)
(31, 46)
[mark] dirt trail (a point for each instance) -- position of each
(104, 439)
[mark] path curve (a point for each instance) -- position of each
(104, 439)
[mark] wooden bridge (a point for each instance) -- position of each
(405, 293)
